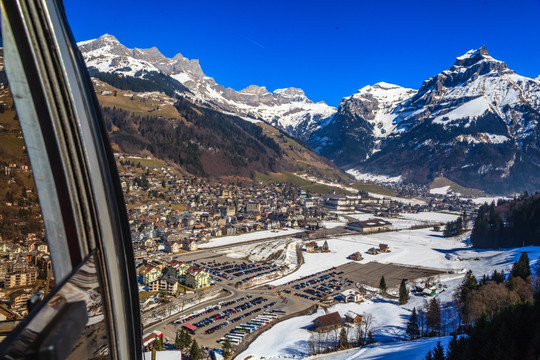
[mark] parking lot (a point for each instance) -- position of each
(251, 311)
(237, 273)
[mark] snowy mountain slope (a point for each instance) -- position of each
(363, 120)
(476, 123)
(288, 109)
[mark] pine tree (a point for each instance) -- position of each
(403, 293)
(522, 267)
(429, 355)
(438, 352)
(177, 342)
(325, 246)
(433, 318)
(412, 326)
(382, 284)
(456, 348)
(194, 352)
(226, 348)
(343, 339)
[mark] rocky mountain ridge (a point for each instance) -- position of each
(289, 108)
(476, 123)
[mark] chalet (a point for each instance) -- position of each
(384, 248)
(176, 247)
(353, 318)
(312, 247)
(148, 339)
(373, 251)
(351, 295)
(357, 256)
(327, 322)
(189, 245)
(369, 226)
(426, 290)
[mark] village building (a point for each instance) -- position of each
(176, 247)
(189, 245)
(327, 322)
(151, 273)
(148, 339)
(23, 278)
(165, 283)
(384, 248)
(342, 202)
(353, 318)
(373, 251)
(369, 226)
(312, 247)
(357, 256)
(197, 278)
(351, 295)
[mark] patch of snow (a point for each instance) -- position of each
(373, 177)
(440, 191)
(256, 235)
(472, 109)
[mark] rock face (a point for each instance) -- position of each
(288, 109)
(363, 120)
(476, 123)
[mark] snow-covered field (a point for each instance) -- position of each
(389, 324)
(422, 247)
(410, 350)
(228, 240)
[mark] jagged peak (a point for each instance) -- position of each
(382, 89)
(474, 56)
(108, 37)
(254, 89)
(290, 92)
(153, 50)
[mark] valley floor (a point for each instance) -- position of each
(423, 248)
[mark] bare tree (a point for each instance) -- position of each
(312, 345)
(367, 321)
(359, 336)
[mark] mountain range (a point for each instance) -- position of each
(288, 109)
(476, 123)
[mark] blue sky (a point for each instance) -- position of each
(330, 49)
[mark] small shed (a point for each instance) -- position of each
(353, 318)
(190, 327)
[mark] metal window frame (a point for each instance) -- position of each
(74, 169)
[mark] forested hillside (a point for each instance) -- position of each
(509, 224)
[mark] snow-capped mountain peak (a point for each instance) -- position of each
(476, 123)
(287, 108)
(377, 104)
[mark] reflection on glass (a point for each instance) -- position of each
(60, 323)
